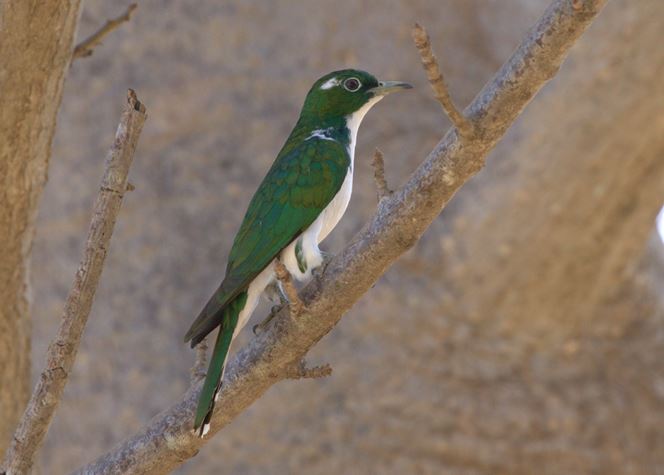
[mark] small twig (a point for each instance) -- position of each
(62, 351)
(301, 371)
(130, 187)
(296, 305)
(198, 371)
(86, 47)
(378, 164)
(435, 77)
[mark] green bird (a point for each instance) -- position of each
(298, 203)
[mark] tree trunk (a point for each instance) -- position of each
(36, 39)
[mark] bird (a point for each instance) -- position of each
(301, 199)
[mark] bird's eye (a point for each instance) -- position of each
(352, 84)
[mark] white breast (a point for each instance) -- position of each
(337, 207)
(333, 212)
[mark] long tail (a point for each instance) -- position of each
(215, 372)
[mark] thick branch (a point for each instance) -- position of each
(86, 47)
(36, 39)
(168, 440)
(62, 351)
(435, 77)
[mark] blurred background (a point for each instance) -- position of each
(523, 334)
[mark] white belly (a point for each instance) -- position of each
(331, 215)
(318, 231)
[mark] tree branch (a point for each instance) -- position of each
(86, 47)
(200, 365)
(62, 351)
(167, 440)
(301, 371)
(378, 163)
(442, 93)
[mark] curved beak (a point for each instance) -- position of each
(388, 87)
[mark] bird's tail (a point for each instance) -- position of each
(215, 372)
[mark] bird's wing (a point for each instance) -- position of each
(300, 184)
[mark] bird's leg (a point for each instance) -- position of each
(295, 305)
(318, 272)
(260, 327)
(274, 292)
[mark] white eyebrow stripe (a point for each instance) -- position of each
(330, 83)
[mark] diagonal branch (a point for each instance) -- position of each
(86, 47)
(435, 76)
(167, 440)
(62, 351)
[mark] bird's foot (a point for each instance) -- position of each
(260, 327)
(274, 293)
(318, 272)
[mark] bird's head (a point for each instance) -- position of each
(342, 93)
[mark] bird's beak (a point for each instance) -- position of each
(388, 87)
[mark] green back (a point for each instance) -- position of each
(303, 180)
(300, 184)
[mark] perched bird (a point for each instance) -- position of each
(298, 203)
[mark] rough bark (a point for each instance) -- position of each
(62, 351)
(36, 39)
(401, 219)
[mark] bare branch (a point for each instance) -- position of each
(294, 302)
(167, 440)
(301, 371)
(378, 163)
(86, 47)
(198, 371)
(62, 351)
(435, 76)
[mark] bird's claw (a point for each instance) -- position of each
(260, 327)
(318, 272)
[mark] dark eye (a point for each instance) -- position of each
(352, 84)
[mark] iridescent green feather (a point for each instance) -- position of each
(300, 184)
(218, 360)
